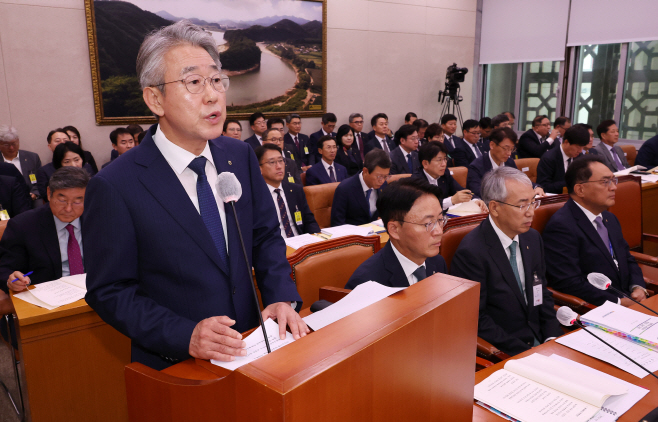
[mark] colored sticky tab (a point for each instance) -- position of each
(292, 157)
(291, 179)
(298, 217)
(305, 150)
(4, 215)
(33, 178)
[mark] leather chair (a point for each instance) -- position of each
(329, 263)
(630, 152)
(546, 211)
(528, 166)
(303, 178)
(3, 226)
(320, 198)
(459, 174)
(454, 232)
(396, 177)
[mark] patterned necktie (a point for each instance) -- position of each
(332, 176)
(297, 144)
(420, 273)
(360, 143)
(284, 214)
(620, 166)
(569, 160)
(515, 269)
(410, 164)
(542, 140)
(478, 154)
(73, 251)
(603, 232)
(208, 208)
(385, 144)
(368, 193)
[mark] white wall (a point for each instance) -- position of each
(384, 56)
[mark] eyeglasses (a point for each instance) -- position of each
(67, 203)
(195, 84)
(273, 163)
(523, 208)
(508, 150)
(441, 160)
(605, 182)
(382, 179)
(440, 222)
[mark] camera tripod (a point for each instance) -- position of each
(451, 102)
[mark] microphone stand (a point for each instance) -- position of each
(628, 297)
(251, 277)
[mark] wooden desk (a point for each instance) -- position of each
(644, 406)
(72, 364)
(650, 215)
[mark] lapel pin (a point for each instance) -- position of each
(230, 163)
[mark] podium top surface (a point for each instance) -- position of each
(29, 314)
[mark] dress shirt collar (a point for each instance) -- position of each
(408, 266)
(565, 157)
(15, 160)
(177, 157)
(504, 239)
(60, 225)
(590, 216)
(493, 163)
(323, 132)
(430, 179)
(379, 139)
(538, 135)
(609, 147)
(363, 183)
(326, 166)
(271, 188)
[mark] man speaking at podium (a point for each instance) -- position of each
(165, 266)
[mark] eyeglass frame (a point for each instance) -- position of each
(606, 182)
(273, 162)
(67, 203)
(222, 77)
(432, 223)
(521, 207)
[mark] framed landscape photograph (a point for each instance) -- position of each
(274, 52)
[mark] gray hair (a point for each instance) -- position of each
(494, 183)
(150, 59)
(354, 116)
(8, 133)
(292, 116)
(68, 178)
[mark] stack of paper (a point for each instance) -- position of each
(649, 178)
(465, 208)
(625, 323)
(347, 230)
(56, 293)
(297, 242)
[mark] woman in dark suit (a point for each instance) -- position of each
(74, 134)
(347, 155)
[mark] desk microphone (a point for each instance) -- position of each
(601, 281)
(567, 317)
(230, 191)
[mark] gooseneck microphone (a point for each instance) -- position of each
(602, 282)
(230, 191)
(567, 317)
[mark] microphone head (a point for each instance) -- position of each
(598, 280)
(228, 187)
(566, 316)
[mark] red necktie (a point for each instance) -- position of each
(297, 143)
(73, 251)
(358, 137)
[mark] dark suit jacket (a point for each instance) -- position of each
(7, 169)
(455, 140)
(463, 154)
(506, 321)
(157, 272)
(550, 171)
(608, 160)
(484, 144)
(364, 138)
(297, 202)
(647, 156)
(529, 146)
(350, 159)
(399, 163)
(44, 174)
(349, 205)
(384, 268)
(374, 143)
(313, 146)
(13, 196)
(30, 163)
(447, 183)
(253, 141)
(93, 167)
(575, 249)
(290, 153)
(478, 168)
(317, 174)
(304, 146)
(292, 171)
(30, 244)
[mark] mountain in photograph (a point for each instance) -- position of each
(266, 21)
(284, 30)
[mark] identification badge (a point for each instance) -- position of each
(33, 178)
(305, 150)
(4, 215)
(298, 217)
(291, 179)
(292, 157)
(537, 291)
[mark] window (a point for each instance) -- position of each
(538, 92)
(500, 94)
(639, 118)
(596, 89)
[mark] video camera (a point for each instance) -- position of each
(454, 75)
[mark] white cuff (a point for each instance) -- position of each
(447, 203)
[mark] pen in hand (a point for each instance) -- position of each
(24, 275)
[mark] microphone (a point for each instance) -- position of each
(602, 282)
(230, 191)
(567, 317)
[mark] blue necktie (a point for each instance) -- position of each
(409, 164)
(208, 208)
(368, 193)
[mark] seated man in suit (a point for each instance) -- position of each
(536, 141)
(288, 150)
(258, 125)
(294, 215)
(502, 145)
(298, 142)
(554, 163)
(379, 137)
(55, 137)
(274, 136)
(501, 120)
(421, 126)
(433, 158)
(48, 239)
(610, 153)
(449, 126)
(468, 149)
(506, 257)
(327, 170)
(122, 140)
(14, 196)
(582, 237)
(589, 148)
(410, 118)
(511, 117)
(647, 156)
(26, 162)
(360, 137)
(485, 127)
(411, 212)
(404, 159)
(232, 129)
(561, 125)
(328, 124)
(355, 199)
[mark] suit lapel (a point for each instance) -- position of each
(291, 198)
(394, 268)
(51, 241)
(499, 256)
(526, 256)
(586, 226)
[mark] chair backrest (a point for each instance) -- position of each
(543, 214)
(329, 263)
(630, 152)
(628, 209)
(398, 177)
(453, 235)
(303, 178)
(320, 198)
(3, 226)
(459, 174)
(528, 166)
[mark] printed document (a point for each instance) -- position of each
(297, 242)
(56, 293)
(627, 323)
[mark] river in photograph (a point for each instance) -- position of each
(273, 78)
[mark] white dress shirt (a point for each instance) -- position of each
(278, 212)
(16, 162)
(507, 242)
(565, 158)
(448, 140)
(408, 266)
(373, 196)
(260, 138)
(326, 168)
(475, 149)
(63, 238)
(548, 138)
(179, 159)
(324, 133)
(447, 202)
(493, 163)
(382, 142)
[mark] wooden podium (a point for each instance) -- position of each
(409, 357)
